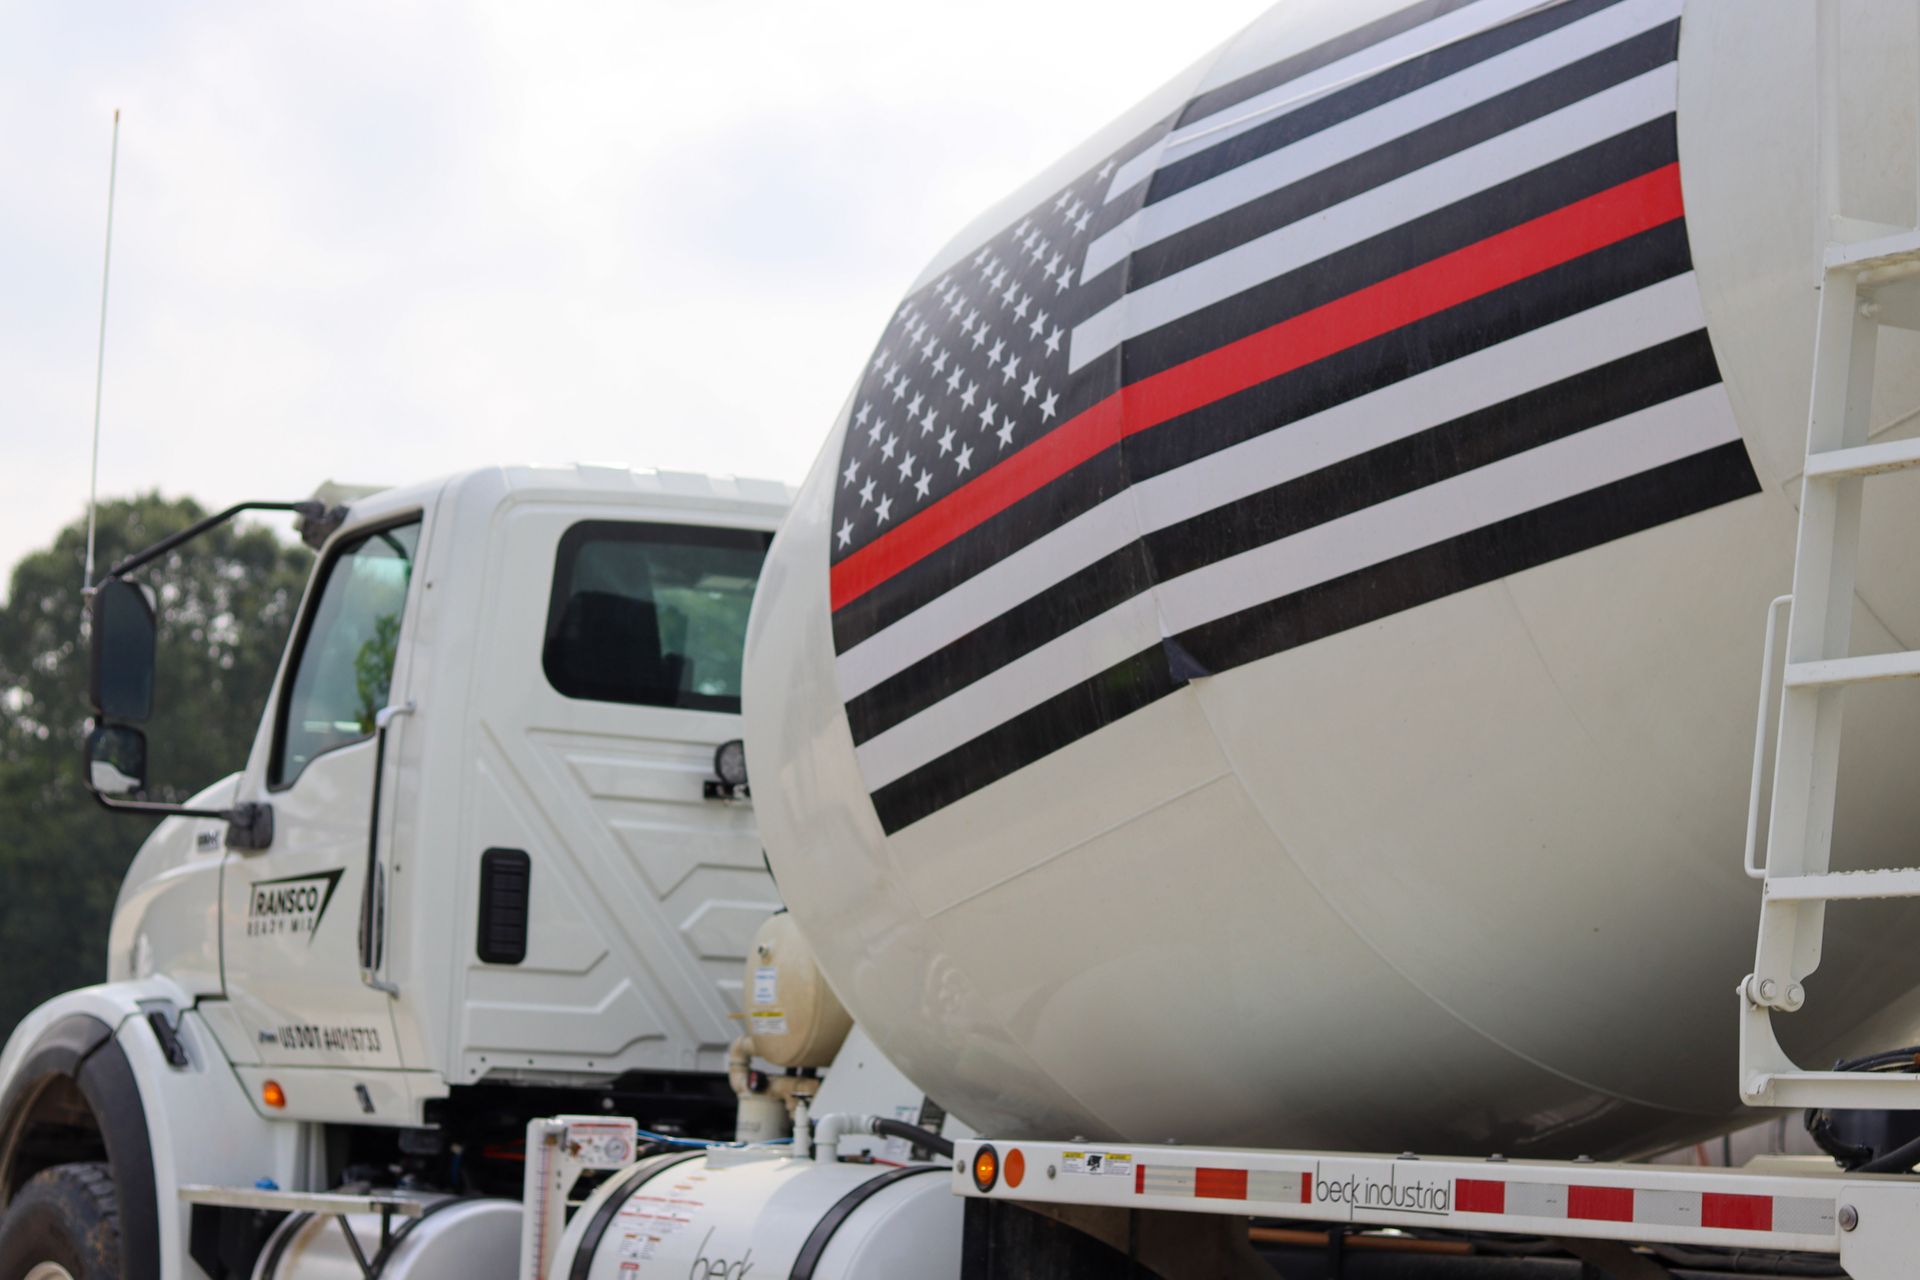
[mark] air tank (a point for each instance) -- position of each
(1268, 653)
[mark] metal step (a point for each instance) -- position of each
(1880, 259)
(1844, 886)
(1904, 665)
(400, 1203)
(1866, 460)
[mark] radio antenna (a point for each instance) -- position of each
(100, 358)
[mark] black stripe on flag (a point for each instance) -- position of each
(1652, 498)
(1375, 90)
(1608, 163)
(1612, 390)
(1495, 317)
(1397, 158)
(1012, 745)
(1307, 61)
(1666, 493)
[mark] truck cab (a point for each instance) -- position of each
(487, 867)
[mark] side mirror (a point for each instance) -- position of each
(123, 646)
(116, 761)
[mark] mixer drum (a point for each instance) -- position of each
(1268, 651)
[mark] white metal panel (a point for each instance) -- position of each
(167, 919)
(644, 892)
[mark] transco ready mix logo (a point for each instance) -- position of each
(291, 904)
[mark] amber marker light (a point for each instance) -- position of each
(986, 1168)
(273, 1095)
(1016, 1167)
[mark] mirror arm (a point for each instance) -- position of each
(307, 510)
(249, 826)
(157, 808)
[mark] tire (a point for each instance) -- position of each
(63, 1225)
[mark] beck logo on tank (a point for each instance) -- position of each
(290, 905)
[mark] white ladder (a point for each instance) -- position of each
(1871, 277)
(1867, 284)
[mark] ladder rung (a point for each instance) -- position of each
(1874, 666)
(1865, 460)
(1885, 257)
(1835, 886)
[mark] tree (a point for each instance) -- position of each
(225, 603)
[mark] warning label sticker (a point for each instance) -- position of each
(768, 1022)
(1100, 1163)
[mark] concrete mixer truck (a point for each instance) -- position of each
(1261, 677)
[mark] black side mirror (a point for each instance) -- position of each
(116, 761)
(123, 647)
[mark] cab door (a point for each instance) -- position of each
(302, 920)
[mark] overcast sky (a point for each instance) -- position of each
(376, 242)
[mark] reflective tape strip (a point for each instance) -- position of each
(1265, 1185)
(1721, 1211)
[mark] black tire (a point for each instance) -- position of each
(67, 1216)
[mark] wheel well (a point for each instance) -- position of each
(55, 1126)
(74, 1097)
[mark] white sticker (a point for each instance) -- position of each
(1075, 1161)
(769, 1022)
(766, 986)
(1119, 1164)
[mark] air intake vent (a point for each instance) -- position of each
(506, 878)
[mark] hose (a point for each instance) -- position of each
(1861, 1159)
(1899, 1160)
(915, 1134)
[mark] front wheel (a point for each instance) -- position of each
(63, 1225)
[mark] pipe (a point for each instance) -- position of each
(740, 1066)
(829, 1129)
(802, 1129)
(912, 1133)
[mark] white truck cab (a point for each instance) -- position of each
(479, 865)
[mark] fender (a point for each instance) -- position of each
(82, 1048)
(160, 1124)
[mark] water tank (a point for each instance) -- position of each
(730, 1215)
(1268, 651)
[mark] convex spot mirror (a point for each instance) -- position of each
(117, 761)
(730, 763)
(123, 645)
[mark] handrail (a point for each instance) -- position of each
(1760, 737)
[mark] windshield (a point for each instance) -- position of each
(345, 663)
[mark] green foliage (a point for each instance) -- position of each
(373, 667)
(225, 603)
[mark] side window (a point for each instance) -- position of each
(344, 664)
(652, 614)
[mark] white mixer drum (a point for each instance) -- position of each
(729, 1216)
(1268, 653)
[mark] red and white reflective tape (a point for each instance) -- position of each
(1223, 1184)
(1798, 1215)
(1795, 1215)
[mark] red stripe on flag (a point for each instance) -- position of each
(1600, 1204)
(1220, 1184)
(1736, 1213)
(1475, 1195)
(1604, 218)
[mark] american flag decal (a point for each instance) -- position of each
(1402, 314)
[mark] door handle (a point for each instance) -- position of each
(373, 891)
